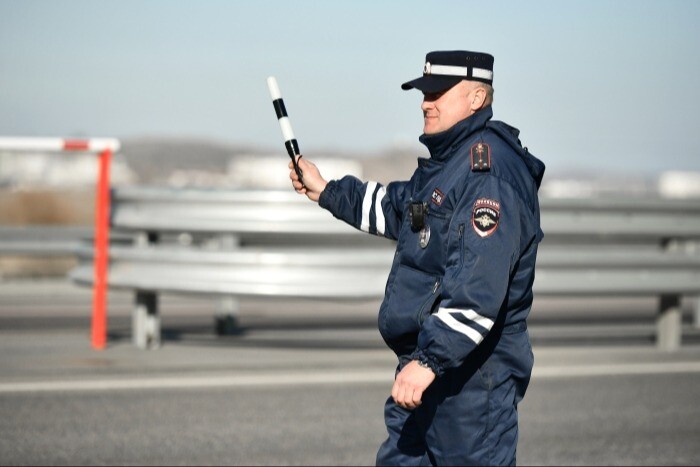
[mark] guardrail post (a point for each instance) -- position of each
(228, 309)
(227, 314)
(668, 323)
(145, 324)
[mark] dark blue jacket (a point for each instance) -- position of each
(477, 270)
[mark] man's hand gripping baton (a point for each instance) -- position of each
(289, 141)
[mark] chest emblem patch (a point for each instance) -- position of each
(485, 216)
(438, 197)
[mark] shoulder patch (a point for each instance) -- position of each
(485, 216)
(480, 155)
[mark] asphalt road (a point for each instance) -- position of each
(304, 384)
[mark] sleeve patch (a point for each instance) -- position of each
(485, 216)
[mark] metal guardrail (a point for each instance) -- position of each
(639, 218)
(42, 240)
(360, 273)
(262, 212)
(243, 213)
(257, 243)
(278, 244)
(351, 274)
(49, 240)
(583, 271)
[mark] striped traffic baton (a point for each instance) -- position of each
(287, 134)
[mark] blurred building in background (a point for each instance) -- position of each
(53, 188)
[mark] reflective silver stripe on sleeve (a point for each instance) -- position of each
(381, 223)
(472, 315)
(444, 314)
(367, 205)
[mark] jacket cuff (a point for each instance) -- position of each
(327, 197)
(428, 360)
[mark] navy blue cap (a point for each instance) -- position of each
(444, 69)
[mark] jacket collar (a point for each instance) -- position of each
(441, 144)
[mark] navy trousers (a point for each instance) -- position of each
(469, 414)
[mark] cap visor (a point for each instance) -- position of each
(431, 83)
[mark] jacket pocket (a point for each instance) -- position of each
(413, 292)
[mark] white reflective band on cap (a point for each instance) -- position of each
(367, 205)
(448, 70)
(452, 70)
(444, 315)
(483, 74)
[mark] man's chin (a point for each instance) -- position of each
(430, 127)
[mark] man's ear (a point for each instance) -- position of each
(478, 99)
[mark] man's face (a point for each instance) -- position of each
(442, 110)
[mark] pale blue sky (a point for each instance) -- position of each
(593, 85)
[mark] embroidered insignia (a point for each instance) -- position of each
(438, 197)
(480, 155)
(485, 216)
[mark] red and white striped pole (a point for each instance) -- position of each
(105, 147)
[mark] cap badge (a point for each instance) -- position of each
(426, 68)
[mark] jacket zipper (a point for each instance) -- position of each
(430, 300)
(461, 245)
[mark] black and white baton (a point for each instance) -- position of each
(289, 141)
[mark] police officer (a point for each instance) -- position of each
(467, 226)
